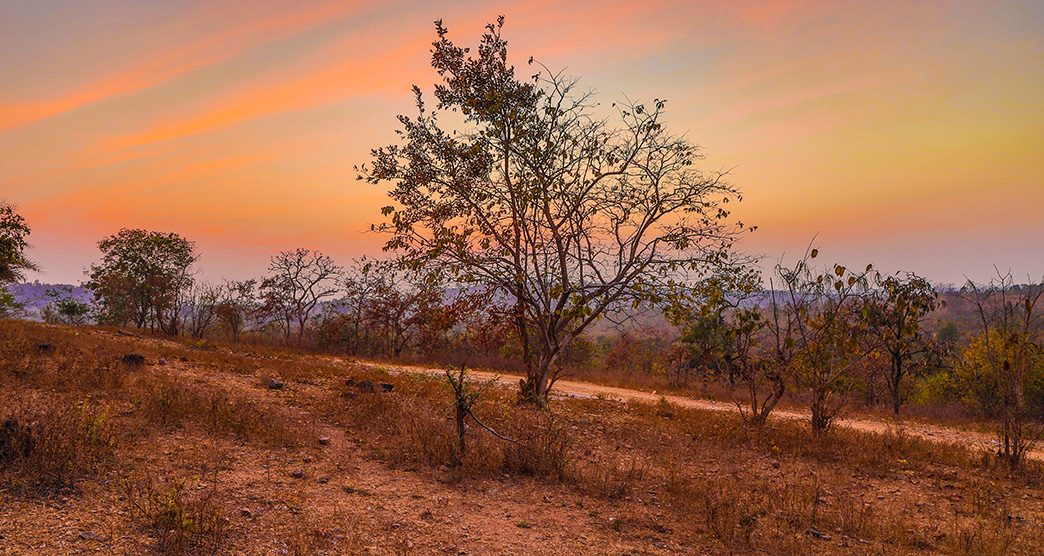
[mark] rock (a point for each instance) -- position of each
(274, 384)
(816, 534)
(162, 361)
(324, 440)
(184, 359)
(245, 512)
(44, 349)
(297, 474)
(133, 359)
(368, 386)
(92, 536)
(322, 480)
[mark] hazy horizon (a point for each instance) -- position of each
(904, 134)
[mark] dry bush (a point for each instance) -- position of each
(49, 444)
(615, 479)
(183, 520)
(414, 426)
(166, 402)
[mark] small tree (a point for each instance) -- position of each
(727, 335)
(298, 281)
(828, 331)
(14, 234)
(142, 279)
(897, 311)
(200, 308)
(1009, 352)
(237, 305)
(65, 308)
(410, 307)
(565, 213)
(360, 285)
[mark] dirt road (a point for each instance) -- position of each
(971, 439)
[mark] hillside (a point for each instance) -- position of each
(254, 450)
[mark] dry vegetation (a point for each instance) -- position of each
(195, 452)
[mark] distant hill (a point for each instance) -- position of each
(34, 295)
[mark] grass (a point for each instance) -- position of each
(49, 444)
(183, 518)
(706, 477)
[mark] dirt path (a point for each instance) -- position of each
(975, 440)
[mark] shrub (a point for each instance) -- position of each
(183, 520)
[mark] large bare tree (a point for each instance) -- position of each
(571, 210)
(298, 281)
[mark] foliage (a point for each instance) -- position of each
(1007, 356)
(897, 310)
(826, 331)
(64, 308)
(14, 232)
(142, 279)
(236, 305)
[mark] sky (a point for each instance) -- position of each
(905, 134)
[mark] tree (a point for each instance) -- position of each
(727, 335)
(236, 306)
(64, 308)
(897, 311)
(360, 284)
(142, 278)
(298, 281)
(1008, 354)
(14, 233)
(410, 307)
(564, 212)
(827, 340)
(200, 308)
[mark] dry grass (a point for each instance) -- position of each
(49, 444)
(183, 518)
(704, 478)
(167, 402)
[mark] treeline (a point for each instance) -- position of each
(828, 337)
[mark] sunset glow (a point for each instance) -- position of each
(907, 134)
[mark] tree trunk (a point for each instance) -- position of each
(534, 388)
(820, 416)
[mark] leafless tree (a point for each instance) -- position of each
(567, 212)
(1012, 328)
(200, 308)
(298, 281)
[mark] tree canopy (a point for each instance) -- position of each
(531, 188)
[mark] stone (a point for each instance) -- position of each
(297, 474)
(816, 534)
(133, 359)
(45, 349)
(274, 383)
(324, 440)
(92, 536)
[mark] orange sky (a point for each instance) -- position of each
(908, 134)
